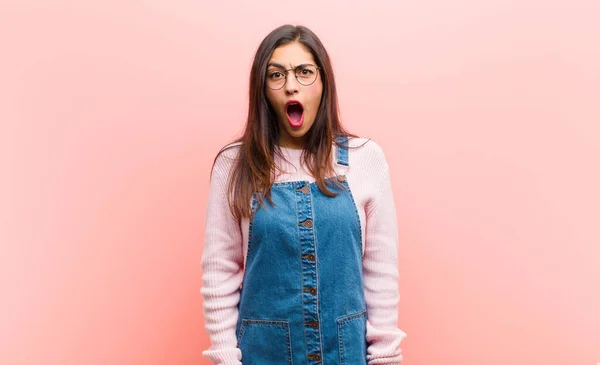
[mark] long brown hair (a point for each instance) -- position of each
(254, 168)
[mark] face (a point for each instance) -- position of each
(295, 104)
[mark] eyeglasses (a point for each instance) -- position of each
(305, 74)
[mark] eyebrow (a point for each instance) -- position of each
(275, 64)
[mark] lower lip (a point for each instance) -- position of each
(298, 123)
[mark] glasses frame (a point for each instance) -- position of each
(285, 75)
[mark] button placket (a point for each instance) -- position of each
(309, 264)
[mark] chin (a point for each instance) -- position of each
(298, 134)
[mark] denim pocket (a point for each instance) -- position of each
(352, 339)
(265, 342)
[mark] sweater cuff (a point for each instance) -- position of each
(228, 356)
(384, 345)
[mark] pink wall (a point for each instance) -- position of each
(111, 113)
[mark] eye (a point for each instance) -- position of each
(275, 75)
(306, 72)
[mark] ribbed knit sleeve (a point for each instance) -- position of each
(222, 266)
(380, 268)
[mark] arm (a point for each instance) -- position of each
(222, 262)
(380, 274)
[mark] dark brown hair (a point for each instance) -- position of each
(254, 168)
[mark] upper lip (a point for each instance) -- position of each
(293, 102)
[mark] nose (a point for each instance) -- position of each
(291, 84)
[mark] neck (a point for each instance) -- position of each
(292, 143)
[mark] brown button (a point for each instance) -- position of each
(341, 178)
(305, 189)
(307, 223)
(309, 257)
(315, 357)
(313, 324)
(313, 291)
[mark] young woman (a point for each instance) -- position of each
(300, 251)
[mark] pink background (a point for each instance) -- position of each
(112, 111)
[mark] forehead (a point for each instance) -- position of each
(291, 55)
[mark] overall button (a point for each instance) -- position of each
(307, 223)
(304, 190)
(312, 291)
(309, 257)
(313, 324)
(315, 357)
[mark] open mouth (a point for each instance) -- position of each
(295, 113)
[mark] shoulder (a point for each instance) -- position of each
(224, 161)
(365, 149)
(227, 154)
(367, 160)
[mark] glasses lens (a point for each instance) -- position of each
(275, 79)
(306, 75)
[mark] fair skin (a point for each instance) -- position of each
(288, 57)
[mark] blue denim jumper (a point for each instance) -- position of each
(302, 297)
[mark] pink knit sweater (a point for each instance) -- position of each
(226, 244)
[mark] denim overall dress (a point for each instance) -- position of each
(302, 298)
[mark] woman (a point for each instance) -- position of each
(300, 252)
